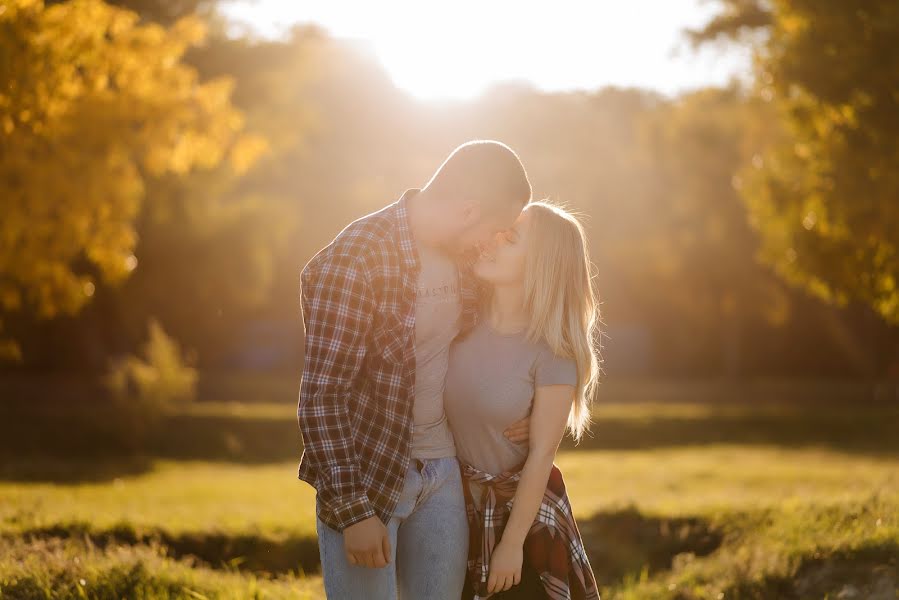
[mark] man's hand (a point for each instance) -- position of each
(505, 567)
(519, 432)
(367, 544)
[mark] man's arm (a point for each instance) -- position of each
(338, 306)
(519, 432)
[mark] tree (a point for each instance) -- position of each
(826, 198)
(739, 20)
(697, 245)
(164, 12)
(93, 105)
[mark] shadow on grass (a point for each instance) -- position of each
(77, 469)
(860, 430)
(90, 435)
(620, 544)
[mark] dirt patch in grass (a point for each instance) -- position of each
(625, 543)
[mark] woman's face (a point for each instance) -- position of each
(502, 261)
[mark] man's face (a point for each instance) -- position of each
(482, 227)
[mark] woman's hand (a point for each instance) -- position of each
(505, 567)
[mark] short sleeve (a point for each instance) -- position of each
(554, 370)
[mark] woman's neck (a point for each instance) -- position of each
(506, 312)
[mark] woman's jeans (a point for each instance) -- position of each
(428, 541)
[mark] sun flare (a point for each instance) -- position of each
(456, 50)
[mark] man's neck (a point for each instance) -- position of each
(422, 219)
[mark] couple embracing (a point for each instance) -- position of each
(449, 345)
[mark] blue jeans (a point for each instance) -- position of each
(428, 540)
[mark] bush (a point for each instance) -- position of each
(144, 389)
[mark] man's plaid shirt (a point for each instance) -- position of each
(357, 389)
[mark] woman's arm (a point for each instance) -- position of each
(552, 403)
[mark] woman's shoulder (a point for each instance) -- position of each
(551, 368)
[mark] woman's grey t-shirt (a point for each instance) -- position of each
(490, 384)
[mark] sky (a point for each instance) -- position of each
(455, 50)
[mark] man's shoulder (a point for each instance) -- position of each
(362, 240)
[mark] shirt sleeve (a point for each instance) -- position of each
(554, 370)
(338, 305)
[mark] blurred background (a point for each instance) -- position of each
(167, 167)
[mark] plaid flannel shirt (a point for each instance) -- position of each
(553, 546)
(357, 388)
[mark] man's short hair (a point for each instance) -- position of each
(484, 170)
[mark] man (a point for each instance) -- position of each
(381, 304)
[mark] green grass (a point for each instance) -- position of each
(75, 569)
(772, 508)
(176, 497)
(707, 479)
(183, 497)
(791, 504)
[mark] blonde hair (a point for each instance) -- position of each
(560, 300)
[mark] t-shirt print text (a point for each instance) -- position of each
(437, 294)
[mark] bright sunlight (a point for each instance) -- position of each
(456, 50)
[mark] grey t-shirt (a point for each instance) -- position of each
(438, 310)
(490, 384)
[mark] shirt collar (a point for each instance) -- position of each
(404, 231)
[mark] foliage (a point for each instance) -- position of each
(164, 12)
(147, 387)
(737, 20)
(826, 198)
(167, 12)
(92, 105)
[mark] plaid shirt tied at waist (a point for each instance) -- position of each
(553, 546)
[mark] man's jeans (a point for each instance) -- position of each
(428, 541)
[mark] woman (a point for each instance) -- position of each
(532, 352)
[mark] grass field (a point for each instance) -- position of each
(766, 505)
